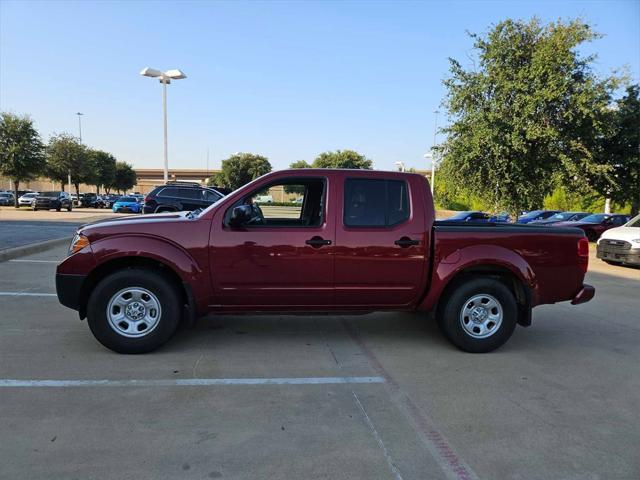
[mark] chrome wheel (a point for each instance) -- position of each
(133, 312)
(481, 316)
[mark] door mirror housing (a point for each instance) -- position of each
(240, 215)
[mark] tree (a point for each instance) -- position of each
(66, 155)
(342, 159)
(124, 178)
(240, 169)
(297, 188)
(622, 149)
(531, 108)
(105, 168)
(21, 151)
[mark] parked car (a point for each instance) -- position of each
(127, 204)
(621, 245)
(7, 198)
(594, 225)
(536, 215)
(180, 196)
(27, 199)
(468, 216)
(562, 217)
(368, 243)
(93, 201)
(109, 200)
(264, 199)
(55, 200)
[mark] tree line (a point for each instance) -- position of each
(24, 157)
(241, 168)
(530, 121)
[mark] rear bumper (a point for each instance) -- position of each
(68, 288)
(585, 294)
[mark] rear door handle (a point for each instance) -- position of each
(405, 242)
(317, 242)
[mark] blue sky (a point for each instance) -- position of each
(284, 79)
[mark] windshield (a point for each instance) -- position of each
(634, 222)
(562, 216)
(5, 194)
(532, 214)
(596, 218)
(459, 216)
(49, 194)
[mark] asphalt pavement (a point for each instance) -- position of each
(380, 396)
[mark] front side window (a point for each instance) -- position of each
(375, 203)
(292, 203)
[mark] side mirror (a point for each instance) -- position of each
(240, 215)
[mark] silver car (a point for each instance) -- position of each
(27, 199)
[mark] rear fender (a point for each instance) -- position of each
(475, 256)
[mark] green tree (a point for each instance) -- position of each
(105, 168)
(342, 159)
(124, 178)
(66, 155)
(532, 107)
(21, 151)
(622, 150)
(240, 169)
(297, 188)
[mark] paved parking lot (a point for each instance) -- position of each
(380, 396)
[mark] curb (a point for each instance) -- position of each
(15, 252)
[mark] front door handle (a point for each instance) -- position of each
(317, 242)
(405, 242)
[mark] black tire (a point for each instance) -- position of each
(613, 263)
(35, 209)
(592, 236)
(69, 208)
(450, 313)
(164, 290)
(58, 209)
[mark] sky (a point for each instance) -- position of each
(287, 80)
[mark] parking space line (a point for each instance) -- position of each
(26, 294)
(452, 465)
(186, 382)
(34, 261)
(376, 435)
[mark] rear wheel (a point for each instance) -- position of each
(479, 316)
(134, 310)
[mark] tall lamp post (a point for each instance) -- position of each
(433, 153)
(164, 78)
(79, 114)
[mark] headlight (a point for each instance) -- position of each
(78, 243)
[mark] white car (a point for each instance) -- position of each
(622, 244)
(27, 199)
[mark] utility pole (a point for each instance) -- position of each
(433, 153)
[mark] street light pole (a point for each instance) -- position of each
(433, 154)
(165, 78)
(166, 142)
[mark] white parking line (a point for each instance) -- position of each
(35, 261)
(186, 382)
(26, 294)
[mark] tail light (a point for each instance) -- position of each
(583, 254)
(145, 199)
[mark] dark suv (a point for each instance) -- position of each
(180, 196)
(53, 200)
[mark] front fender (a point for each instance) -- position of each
(446, 269)
(148, 246)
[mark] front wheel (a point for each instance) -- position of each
(134, 310)
(479, 316)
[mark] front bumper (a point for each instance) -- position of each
(585, 294)
(618, 254)
(68, 288)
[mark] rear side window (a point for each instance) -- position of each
(168, 192)
(375, 203)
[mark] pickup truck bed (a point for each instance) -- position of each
(358, 241)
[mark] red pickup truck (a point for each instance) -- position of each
(351, 241)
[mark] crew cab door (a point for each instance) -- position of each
(381, 242)
(282, 257)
